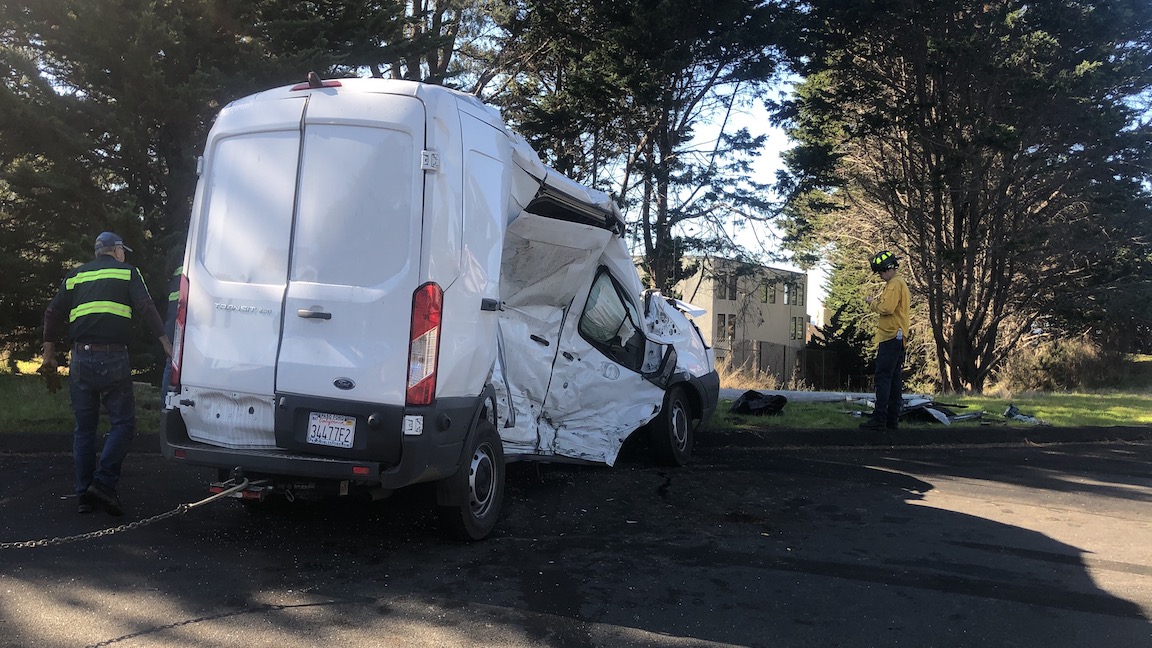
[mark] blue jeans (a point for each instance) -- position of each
(889, 381)
(96, 377)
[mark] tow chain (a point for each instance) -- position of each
(179, 510)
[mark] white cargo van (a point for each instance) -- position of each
(384, 286)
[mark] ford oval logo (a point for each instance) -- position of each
(344, 383)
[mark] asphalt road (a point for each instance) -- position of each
(749, 546)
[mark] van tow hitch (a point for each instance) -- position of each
(255, 491)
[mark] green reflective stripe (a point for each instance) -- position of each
(178, 271)
(121, 274)
(174, 295)
(106, 307)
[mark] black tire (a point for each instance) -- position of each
(673, 429)
(479, 485)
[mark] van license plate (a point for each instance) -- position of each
(334, 430)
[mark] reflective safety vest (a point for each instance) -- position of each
(98, 297)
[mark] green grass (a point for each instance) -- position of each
(26, 406)
(1057, 409)
(1075, 409)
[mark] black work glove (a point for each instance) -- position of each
(51, 378)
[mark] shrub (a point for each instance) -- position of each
(743, 376)
(1062, 365)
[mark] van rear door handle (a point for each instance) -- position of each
(311, 314)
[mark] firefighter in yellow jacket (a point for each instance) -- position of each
(96, 303)
(891, 330)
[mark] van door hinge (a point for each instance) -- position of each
(429, 161)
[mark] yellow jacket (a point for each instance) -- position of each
(892, 306)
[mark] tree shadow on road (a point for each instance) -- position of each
(742, 547)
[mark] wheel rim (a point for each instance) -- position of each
(678, 424)
(481, 481)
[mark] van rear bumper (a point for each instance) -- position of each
(430, 456)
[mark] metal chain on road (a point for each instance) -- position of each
(179, 510)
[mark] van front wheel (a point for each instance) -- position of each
(672, 430)
(476, 492)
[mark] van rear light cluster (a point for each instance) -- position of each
(178, 334)
(424, 346)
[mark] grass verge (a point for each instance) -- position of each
(1105, 409)
(26, 406)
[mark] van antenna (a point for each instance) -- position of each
(314, 80)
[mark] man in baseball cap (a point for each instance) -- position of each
(94, 308)
(110, 240)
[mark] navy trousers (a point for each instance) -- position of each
(889, 381)
(98, 378)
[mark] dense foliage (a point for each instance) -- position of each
(1000, 147)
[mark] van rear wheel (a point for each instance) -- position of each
(672, 430)
(477, 490)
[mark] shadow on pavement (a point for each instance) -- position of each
(744, 547)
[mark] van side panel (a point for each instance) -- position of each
(467, 351)
(594, 402)
(546, 264)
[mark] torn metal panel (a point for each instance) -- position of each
(559, 394)
(923, 409)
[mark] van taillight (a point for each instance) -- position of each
(178, 334)
(424, 348)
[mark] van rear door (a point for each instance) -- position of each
(356, 253)
(241, 230)
(242, 235)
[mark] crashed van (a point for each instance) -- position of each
(384, 286)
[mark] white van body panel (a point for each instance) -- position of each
(467, 342)
(564, 398)
(546, 263)
(358, 217)
(239, 267)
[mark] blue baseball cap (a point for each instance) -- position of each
(110, 240)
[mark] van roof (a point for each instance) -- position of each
(557, 194)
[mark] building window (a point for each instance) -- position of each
(799, 297)
(764, 293)
(725, 332)
(771, 293)
(787, 294)
(724, 284)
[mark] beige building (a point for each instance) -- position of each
(757, 315)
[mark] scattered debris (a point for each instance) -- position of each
(922, 409)
(1014, 414)
(753, 402)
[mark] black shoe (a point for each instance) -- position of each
(892, 426)
(85, 505)
(872, 425)
(107, 497)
